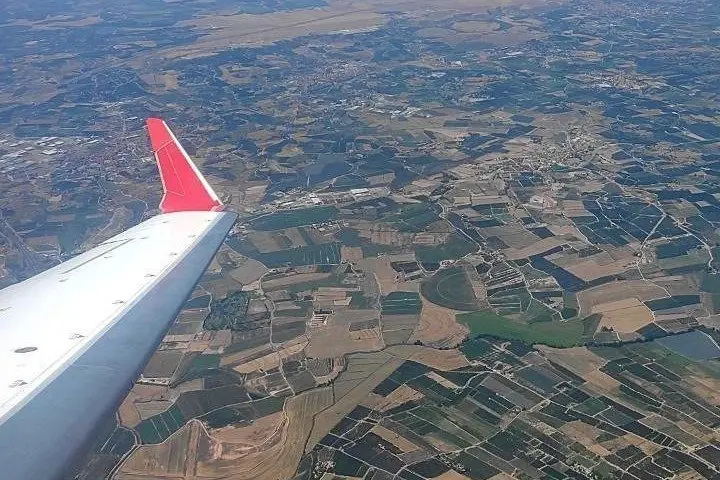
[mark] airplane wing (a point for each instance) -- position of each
(74, 338)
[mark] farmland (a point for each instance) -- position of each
(294, 218)
(454, 248)
(482, 423)
(399, 303)
(474, 240)
(412, 218)
(558, 334)
(326, 254)
(438, 327)
(450, 288)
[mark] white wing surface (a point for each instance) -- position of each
(75, 337)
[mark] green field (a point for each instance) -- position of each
(159, 427)
(710, 282)
(450, 287)
(243, 412)
(333, 280)
(539, 312)
(590, 324)
(571, 305)
(401, 303)
(325, 254)
(456, 247)
(194, 365)
(514, 300)
(294, 218)
(554, 334)
(520, 301)
(412, 218)
(212, 406)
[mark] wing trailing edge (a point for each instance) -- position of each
(185, 188)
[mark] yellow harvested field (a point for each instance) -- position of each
(221, 286)
(436, 440)
(279, 457)
(133, 409)
(574, 208)
(707, 388)
(677, 284)
(602, 381)
(578, 360)
(536, 248)
(612, 292)
(590, 269)
(514, 236)
(440, 359)
(245, 354)
(662, 424)
(453, 475)
(698, 430)
(251, 195)
(648, 447)
(328, 418)
(397, 397)
(248, 271)
(272, 360)
(175, 457)
(386, 277)
(366, 334)
(624, 316)
(129, 416)
(336, 341)
(438, 326)
(566, 230)
(499, 476)
(264, 242)
(255, 434)
(441, 380)
(400, 442)
(295, 237)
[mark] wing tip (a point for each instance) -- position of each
(185, 188)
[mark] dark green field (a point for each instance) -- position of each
(413, 217)
(456, 247)
(159, 427)
(554, 334)
(243, 412)
(325, 254)
(294, 218)
(450, 288)
(401, 303)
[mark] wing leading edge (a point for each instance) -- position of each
(74, 338)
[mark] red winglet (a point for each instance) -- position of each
(184, 186)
